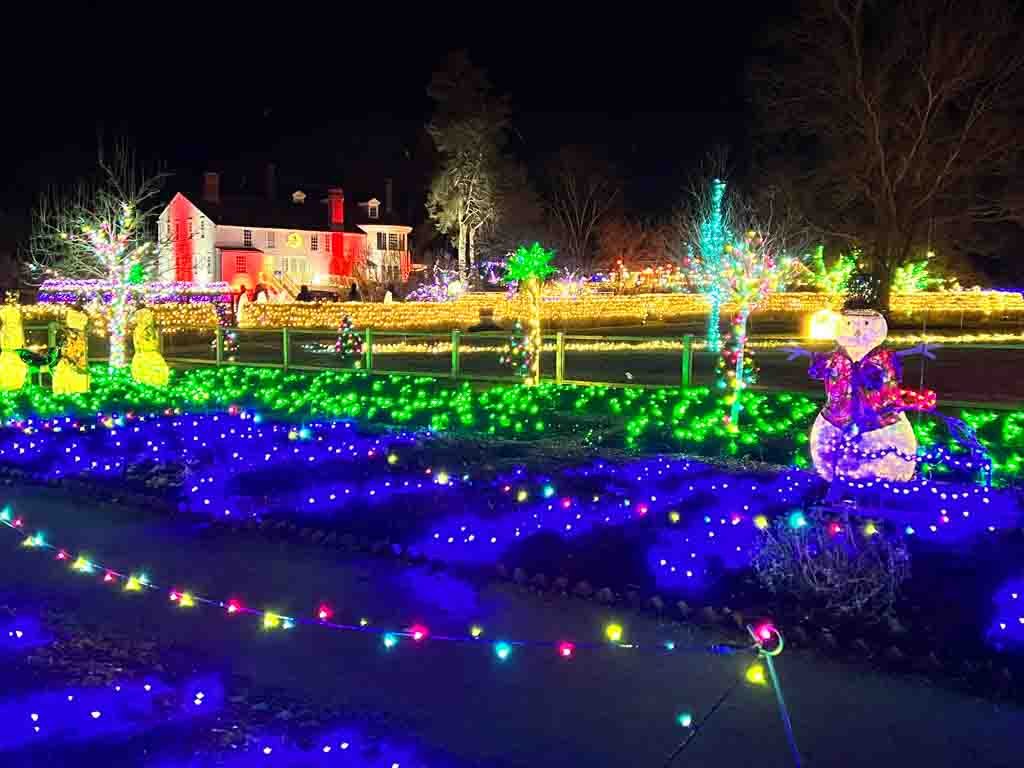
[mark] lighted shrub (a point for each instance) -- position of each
(842, 567)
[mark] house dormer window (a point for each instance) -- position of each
(314, 242)
(374, 210)
(247, 238)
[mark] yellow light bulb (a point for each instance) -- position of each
(755, 674)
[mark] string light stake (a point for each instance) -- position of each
(769, 644)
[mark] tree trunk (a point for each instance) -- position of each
(532, 288)
(740, 340)
(714, 335)
(118, 326)
(463, 269)
(472, 250)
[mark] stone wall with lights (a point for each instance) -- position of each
(578, 313)
(601, 310)
(170, 318)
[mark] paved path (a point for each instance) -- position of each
(603, 708)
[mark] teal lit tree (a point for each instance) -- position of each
(709, 230)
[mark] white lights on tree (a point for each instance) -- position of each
(100, 230)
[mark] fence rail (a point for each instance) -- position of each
(969, 375)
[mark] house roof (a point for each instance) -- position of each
(285, 214)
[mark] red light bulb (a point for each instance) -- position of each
(565, 650)
(324, 612)
(418, 632)
(233, 606)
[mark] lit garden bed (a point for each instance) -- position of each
(774, 426)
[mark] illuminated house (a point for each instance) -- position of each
(285, 243)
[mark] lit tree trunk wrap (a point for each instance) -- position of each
(118, 326)
(532, 289)
(714, 337)
(739, 382)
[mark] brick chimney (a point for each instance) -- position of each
(211, 187)
(271, 181)
(336, 208)
(387, 195)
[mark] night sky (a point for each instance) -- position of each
(656, 91)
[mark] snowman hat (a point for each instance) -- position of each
(858, 305)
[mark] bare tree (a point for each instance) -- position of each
(102, 229)
(519, 214)
(634, 242)
(894, 116)
(581, 189)
(468, 129)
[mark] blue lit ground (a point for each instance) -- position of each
(601, 708)
(665, 524)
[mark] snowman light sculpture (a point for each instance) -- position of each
(863, 431)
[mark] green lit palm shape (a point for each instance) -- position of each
(528, 263)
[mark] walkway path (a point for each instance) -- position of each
(602, 708)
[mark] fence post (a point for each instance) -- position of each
(51, 334)
(560, 357)
(286, 348)
(219, 346)
(368, 349)
(687, 361)
(456, 335)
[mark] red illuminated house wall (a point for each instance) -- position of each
(346, 251)
(238, 267)
(181, 210)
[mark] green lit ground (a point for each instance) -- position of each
(775, 425)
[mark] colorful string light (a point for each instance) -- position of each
(417, 632)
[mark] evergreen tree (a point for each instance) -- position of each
(349, 343)
(517, 355)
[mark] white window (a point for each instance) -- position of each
(189, 227)
(374, 210)
(247, 238)
(393, 241)
(271, 237)
(327, 242)
(241, 262)
(202, 227)
(314, 242)
(382, 241)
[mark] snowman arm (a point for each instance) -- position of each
(795, 352)
(925, 350)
